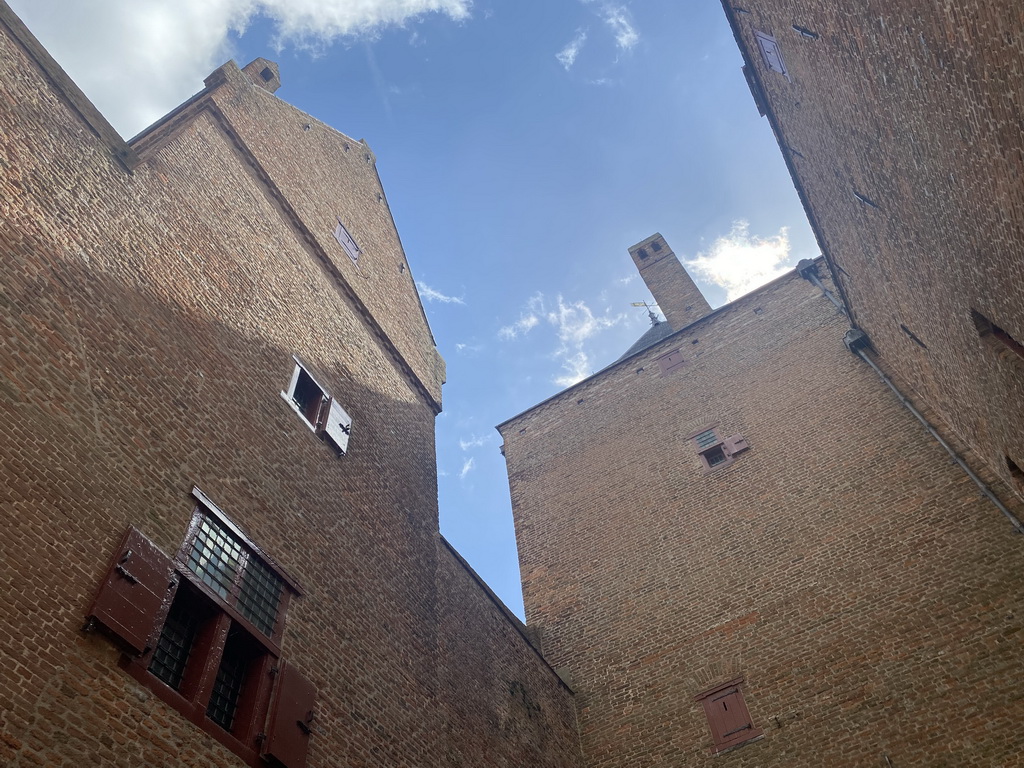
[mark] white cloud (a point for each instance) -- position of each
(138, 59)
(739, 262)
(567, 56)
(573, 323)
(618, 20)
(467, 467)
(475, 441)
(527, 321)
(576, 324)
(429, 294)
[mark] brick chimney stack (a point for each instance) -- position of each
(678, 298)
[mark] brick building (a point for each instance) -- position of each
(218, 447)
(739, 540)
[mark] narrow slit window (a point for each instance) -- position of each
(1002, 342)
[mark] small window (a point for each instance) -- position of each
(210, 647)
(642, 253)
(346, 241)
(656, 246)
(713, 451)
(770, 52)
(1003, 343)
(321, 412)
(728, 718)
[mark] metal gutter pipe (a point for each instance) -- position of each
(856, 341)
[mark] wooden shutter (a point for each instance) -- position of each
(291, 718)
(670, 362)
(734, 444)
(728, 717)
(132, 597)
(338, 426)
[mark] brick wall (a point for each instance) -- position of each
(843, 566)
(149, 321)
(914, 106)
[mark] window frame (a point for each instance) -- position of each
(717, 446)
(732, 739)
(192, 697)
(333, 423)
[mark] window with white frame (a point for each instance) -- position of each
(321, 412)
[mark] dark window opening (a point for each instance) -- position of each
(308, 397)
(267, 74)
(174, 647)
(233, 673)
(642, 253)
(804, 32)
(715, 456)
(1016, 473)
(656, 247)
(867, 201)
(1004, 343)
(913, 338)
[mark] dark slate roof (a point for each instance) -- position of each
(653, 335)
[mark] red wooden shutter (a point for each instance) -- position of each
(671, 362)
(132, 596)
(291, 718)
(728, 717)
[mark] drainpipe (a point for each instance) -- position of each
(856, 341)
(808, 271)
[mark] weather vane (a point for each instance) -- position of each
(650, 310)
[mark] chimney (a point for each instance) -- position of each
(263, 73)
(678, 298)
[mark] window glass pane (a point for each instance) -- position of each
(175, 643)
(715, 456)
(215, 556)
(704, 439)
(260, 595)
(227, 688)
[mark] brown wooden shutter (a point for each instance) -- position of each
(291, 718)
(734, 444)
(133, 594)
(670, 362)
(728, 717)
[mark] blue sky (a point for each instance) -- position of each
(524, 146)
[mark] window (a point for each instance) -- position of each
(1003, 343)
(727, 716)
(346, 242)
(203, 632)
(715, 452)
(641, 252)
(322, 413)
(656, 246)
